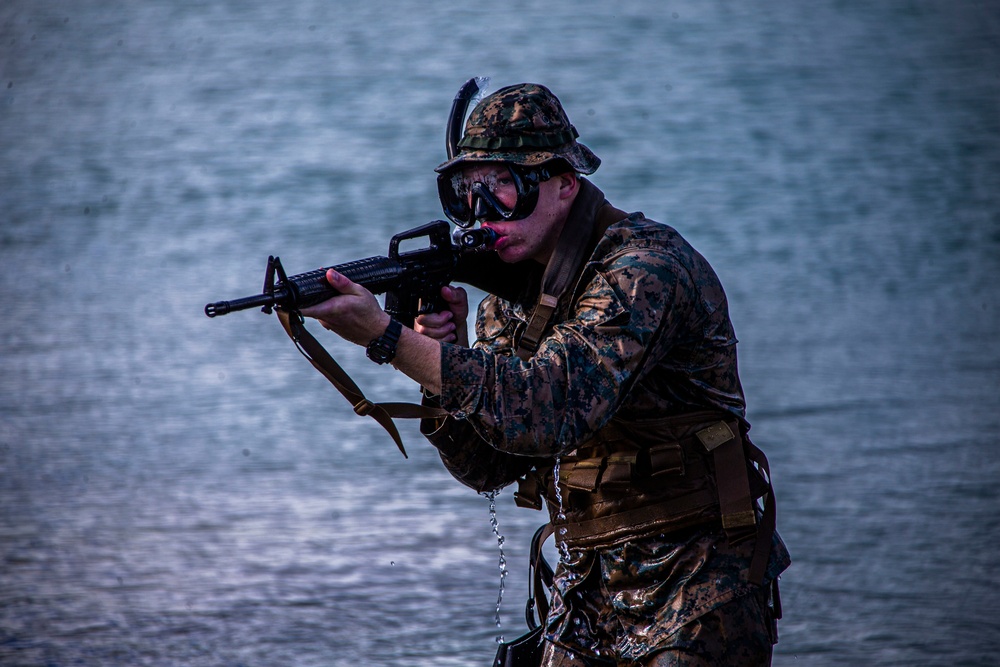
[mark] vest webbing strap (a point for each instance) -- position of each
(732, 456)
(735, 501)
(768, 522)
(575, 243)
(321, 360)
(684, 511)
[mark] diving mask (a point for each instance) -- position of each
(468, 199)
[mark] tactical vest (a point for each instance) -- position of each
(640, 478)
(649, 477)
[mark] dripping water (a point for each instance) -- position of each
(560, 516)
(492, 497)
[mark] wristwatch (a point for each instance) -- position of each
(382, 350)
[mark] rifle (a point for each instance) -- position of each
(411, 281)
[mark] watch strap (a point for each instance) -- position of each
(382, 350)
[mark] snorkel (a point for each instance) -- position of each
(463, 98)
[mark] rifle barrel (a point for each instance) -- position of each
(223, 307)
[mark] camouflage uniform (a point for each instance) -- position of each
(646, 336)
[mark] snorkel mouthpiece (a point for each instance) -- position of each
(476, 240)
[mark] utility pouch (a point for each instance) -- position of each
(582, 475)
(618, 474)
(666, 459)
(529, 492)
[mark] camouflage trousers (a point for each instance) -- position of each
(740, 632)
(679, 599)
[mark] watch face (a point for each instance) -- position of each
(377, 352)
(383, 349)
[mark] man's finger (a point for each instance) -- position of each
(341, 283)
(453, 294)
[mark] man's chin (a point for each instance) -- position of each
(509, 255)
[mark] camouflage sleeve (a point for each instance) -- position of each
(470, 459)
(573, 384)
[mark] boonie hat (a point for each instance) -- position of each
(523, 124)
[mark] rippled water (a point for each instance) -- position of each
(176, 490)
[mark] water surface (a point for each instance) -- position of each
(176, 490)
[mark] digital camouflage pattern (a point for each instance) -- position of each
(523, 124)
(739, 632)
(646, 336)
(641, 598)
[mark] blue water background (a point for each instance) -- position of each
(176, 490)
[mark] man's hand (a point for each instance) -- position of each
(448, 326)
(354, 314)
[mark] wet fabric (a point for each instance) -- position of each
(641, 597)
(739, 632)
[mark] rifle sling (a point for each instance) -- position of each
(323, 362)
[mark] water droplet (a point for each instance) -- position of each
(392, 563)
(502, 563)
(560, 515)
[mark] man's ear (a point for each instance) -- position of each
(569, 184)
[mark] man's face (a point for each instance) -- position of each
(535, 236)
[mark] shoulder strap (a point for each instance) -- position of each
(576, 242)
(317, 355)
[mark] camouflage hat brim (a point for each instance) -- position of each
(523, 124)
(579, 157)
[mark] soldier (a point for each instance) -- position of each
(604, 382)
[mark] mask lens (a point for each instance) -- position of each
(469, 197)
(455, 206)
